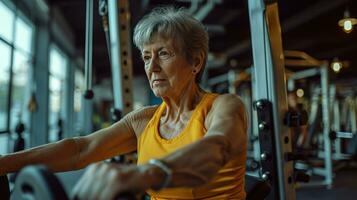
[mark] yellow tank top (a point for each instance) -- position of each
(228, 183)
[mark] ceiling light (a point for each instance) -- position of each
(347, 22)
(336, 65)
(300, 92)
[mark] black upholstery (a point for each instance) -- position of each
(4, 188)
(256, 188)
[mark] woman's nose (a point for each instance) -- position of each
(154, 64)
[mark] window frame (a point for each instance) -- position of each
(63, 94)
(11, 44)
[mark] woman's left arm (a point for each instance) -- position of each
(191, 166)
(199, 162)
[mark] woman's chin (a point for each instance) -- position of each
(160, 93)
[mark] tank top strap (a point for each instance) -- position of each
(204, 106)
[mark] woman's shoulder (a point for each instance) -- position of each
(145, 112)
(227, 100)
(223, 104)
(138, 119)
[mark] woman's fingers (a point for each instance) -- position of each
(86, 184)
(107, 180)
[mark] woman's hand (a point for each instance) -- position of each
(107, 180)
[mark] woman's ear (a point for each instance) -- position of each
(198, 61)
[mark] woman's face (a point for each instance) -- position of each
(167, 69)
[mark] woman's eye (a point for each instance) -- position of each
(146, 58)
(164, 54)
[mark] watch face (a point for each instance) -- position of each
(163, 167)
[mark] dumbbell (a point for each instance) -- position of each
(36, 182)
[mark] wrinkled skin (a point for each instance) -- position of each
(107, 180)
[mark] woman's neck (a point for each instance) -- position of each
(182, 104)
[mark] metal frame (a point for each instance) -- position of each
(326, 125)
(269, 84)
(325, 171)
(336, 121)
(88, 46)
(300, 58)
(120, 49)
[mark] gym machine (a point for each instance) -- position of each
(268, 83)
(324, 100)
(36, 182)
(116, 24)
(320, 69)
(270, 102)
(271, 99)
(117, 12)
(121, 62)
(4, 187)
(343, 124)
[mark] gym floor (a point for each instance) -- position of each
(344, 187)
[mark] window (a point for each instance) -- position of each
(5, 52)
(57, 83)
(77, 100)
(21, 89)
(16, 37)
(7, 17)
(23, 36)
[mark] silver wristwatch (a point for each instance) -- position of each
(168, 172)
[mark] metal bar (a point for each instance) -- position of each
(326, 123)
(300, 63)
(353, 117)
(336, 123)
(305, 74)
(231, 80)
(121, 63)
(269, 77)
(340, 134)
(254, 119)
(89, 45)
(341, 156)
(280, 105)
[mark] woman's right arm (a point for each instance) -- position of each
(75, 153)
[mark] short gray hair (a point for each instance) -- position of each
(170, 22)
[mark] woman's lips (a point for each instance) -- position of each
(157, 81)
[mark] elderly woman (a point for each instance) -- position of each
(192, 146)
